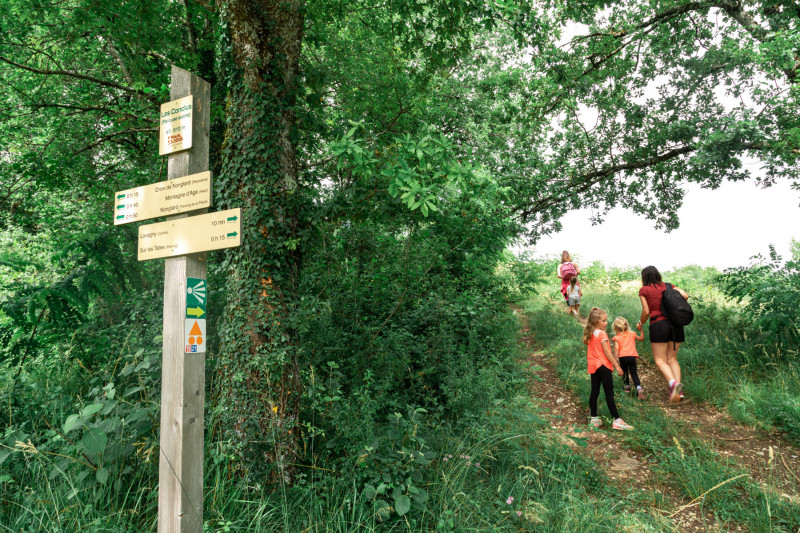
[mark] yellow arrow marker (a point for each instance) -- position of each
(196, 312)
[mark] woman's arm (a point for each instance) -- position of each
(612, 358)
(645, 311)
(558, 270)
(682, 292)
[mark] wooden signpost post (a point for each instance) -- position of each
(183, 136)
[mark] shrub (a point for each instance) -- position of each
(770, 292)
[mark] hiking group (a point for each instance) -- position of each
(668, 310)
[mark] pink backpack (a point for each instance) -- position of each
(568, 270)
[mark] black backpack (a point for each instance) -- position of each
(675, 307)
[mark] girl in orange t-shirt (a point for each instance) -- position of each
(626, 354)
(601, 361)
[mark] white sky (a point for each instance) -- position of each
(721, 228)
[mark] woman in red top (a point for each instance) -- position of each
(665, 339)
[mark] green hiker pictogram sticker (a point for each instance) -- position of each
(196, 298)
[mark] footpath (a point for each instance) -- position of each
(766, 458)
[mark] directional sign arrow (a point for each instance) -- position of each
(232, 234)
(232, 219)
(120, 216)
(120, 196)
(196, 312)
(121, 206)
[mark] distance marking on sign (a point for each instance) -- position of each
(163, 198)
(190, 235)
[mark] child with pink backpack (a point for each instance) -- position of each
(566, 271)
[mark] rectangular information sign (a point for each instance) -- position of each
(194, 330)
(190, 235)
(175, 126)
(163, 198)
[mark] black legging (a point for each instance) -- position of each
(606, 377)
(628, 365)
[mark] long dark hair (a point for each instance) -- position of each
(650, 276)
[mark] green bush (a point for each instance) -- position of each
(770, 293)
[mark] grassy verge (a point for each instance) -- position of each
(500, 470)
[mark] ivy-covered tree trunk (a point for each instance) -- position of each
(260, 374)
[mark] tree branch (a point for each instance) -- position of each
(105, 138)
(587, 181)
(68, 73)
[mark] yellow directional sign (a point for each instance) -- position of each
(175, 126)
(190, 235)
(164, 198)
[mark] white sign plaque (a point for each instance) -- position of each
(175, 126)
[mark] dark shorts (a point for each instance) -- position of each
(663, 331)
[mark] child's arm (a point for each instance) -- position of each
(580, 292)
(612, 358)
(615, 350)
(640, 336)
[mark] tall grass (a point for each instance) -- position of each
(715, 364)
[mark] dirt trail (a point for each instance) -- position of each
(767, 458)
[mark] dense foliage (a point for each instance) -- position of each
(771, 291)
(385, 156)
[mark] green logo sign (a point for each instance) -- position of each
(196, 297)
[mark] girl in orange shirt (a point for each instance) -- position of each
(625, 352)
(601, 361)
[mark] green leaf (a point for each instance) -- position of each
(370, 492)
(72, 422)
(94, 440)
(102, 475)
(89, 410)
(382, 509)
(421, 496)
(402, 505)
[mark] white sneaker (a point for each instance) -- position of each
(620, 425)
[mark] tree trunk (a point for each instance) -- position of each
(259, 367)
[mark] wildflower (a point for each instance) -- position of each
(445, 458)
(510, 500)
(477, 464)
(519, 513)
(469, 463)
